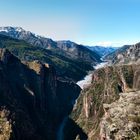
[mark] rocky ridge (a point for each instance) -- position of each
(67, 68)
(107, 85)
(65, 48)
(126, 54)
(33, 102)
(122, 118)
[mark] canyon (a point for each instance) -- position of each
(33, 101)
(96, 102)
(41, 97)
(88, 78)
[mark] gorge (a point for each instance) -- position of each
(32, 100)
(88, 78)
(83, 84)
(41, 97)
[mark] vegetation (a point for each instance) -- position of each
(106, 86)
(66, 67)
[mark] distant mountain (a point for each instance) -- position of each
(20, 33)
(68, 68)
(66, 48)
(126, 54)
(102, 51)
(70, 59)
(78, 51)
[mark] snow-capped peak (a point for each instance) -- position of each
(12, 29)
(19, 29)
(9, 29)
(15, 32)
(4, 29)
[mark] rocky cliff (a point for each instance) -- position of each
(33, 101)
(122, 118)
(126, 54)
(107, 85)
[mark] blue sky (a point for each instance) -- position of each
(89, 22)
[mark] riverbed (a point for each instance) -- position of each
(82, 83)
(88, 78)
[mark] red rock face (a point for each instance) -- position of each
(36, 100)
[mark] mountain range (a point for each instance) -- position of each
(39, 97)
(66, 48)
(103, 51)
(72, 61)
(125, 54)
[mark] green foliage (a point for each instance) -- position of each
(66, 67)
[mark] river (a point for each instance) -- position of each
(82, 83)
(88, 78)
(60, 135)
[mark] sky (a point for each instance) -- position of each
(88, 22)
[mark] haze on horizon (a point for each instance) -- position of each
(88, 22)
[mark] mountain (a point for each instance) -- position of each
(39, 99)
(33, 102)
(106, 107)
(126, 54)
(21, 34)
(78, 51)
(66, 67)
(102, 51)
(66, 48)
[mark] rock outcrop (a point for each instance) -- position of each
(107, 85)
(126, 54)
(36, 101)
(122, 118)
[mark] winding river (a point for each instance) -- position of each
(88, 78)
(82, 83)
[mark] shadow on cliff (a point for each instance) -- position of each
(73, 131)
(36, 99)
(24, 93)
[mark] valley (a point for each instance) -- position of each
(43, 99)
(108, 85)
(83, 84)
(88, 78)
(69, 70)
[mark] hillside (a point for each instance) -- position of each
(122, 118)
(107, 85)
(126, 54)
(67, 49)
(67, 68)
(32, 101)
